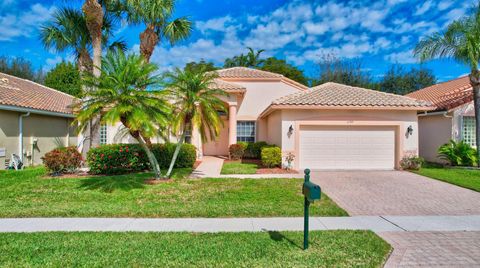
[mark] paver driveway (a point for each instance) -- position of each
(395, 193)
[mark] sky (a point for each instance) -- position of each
(377, 33)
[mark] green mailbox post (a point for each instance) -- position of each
(311, 192)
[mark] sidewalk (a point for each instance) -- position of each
(374, 223)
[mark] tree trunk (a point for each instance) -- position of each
(148, 40)
(84, 65)
(177, 151)
(151, 158)
(94, 18)
(475, 82)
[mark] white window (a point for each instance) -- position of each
(468, 130)
(246, 131)
(103, 134)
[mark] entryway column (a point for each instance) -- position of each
(196, 141)
(232, 123)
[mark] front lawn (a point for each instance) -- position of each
(239, 168)
(265, 249)
(28, 194)
(467, 178)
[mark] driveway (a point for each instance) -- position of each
(395, 193)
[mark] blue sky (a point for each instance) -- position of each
(379, 33)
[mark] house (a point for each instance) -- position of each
(34, 119)
(453, 117)
(331, 126)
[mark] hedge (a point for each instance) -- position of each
(62, 160)
(125, 158)
(272, 156)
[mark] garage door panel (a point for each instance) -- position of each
(347, 148)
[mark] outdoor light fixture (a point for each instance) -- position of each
(409, 131)
(290, 131)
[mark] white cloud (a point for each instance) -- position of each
(315, 28)
(51, 62)
(382, 43)
(421, 9)
(404, 57)
(444, 4)
(215, 24)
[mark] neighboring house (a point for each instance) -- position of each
(34, 119)
(452, 118)
(331, 126)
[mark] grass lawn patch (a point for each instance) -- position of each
(265, 249)
(239, 168)
(467, 178)
(28, 193)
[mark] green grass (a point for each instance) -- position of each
(28, 194)
(265, 249)
(467, 178)
(239, 168)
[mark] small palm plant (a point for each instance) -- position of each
(119, 96)
(197, 105)
(458, 153)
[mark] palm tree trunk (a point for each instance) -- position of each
(151, 158)
(84, 65)
(94, 17)
(177, 151)
(475, 82)
(148, 40)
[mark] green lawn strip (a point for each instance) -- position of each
(265, 249)
(239, 168)
(29, 194)
(467, 178)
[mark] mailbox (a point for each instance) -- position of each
(311, 191)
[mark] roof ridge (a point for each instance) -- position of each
(38, 84)
(251, 69)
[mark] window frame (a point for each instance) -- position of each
(471, 136)
(103, 134)
(245, 138)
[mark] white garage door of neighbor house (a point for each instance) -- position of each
(347, 148)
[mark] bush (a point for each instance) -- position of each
(236, 151)
(254, 149)
(62, 160)
(412, 162)
(458, 153)
(272, 156)
(125, 158)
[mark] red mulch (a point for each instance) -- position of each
(261, 169)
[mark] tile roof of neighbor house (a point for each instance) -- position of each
(446, 95)
(23, 93)
(238, 73)
(337, 95)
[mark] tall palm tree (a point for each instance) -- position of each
(119, 96)
(252, 59)
(156, 15)
(461, 41)
(196, 104)
(93, 11)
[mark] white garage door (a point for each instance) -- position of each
(347, 147)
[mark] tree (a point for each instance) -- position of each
(66, 78)
(252, 59)
(119, 96)
(347, 72)
(399, 81)
(197, 105)
(156, 15)
(278, 66)
(19, 67)
(200, 66)
(461, 42)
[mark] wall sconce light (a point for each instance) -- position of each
(409, 131)
(290, 131)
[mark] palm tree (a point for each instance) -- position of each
(197, 105)
(156, 16)
(93, 11)
(252, 59)
(461, 42)
(119, 96)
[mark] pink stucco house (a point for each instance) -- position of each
(331, 126)
(453, 116)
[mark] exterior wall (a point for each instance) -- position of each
(399, 119)
(434, 131)
(49, 131)
(274, 128)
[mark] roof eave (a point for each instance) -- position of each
(12, 108)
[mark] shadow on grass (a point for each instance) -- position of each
(112, 183)
(277, 236)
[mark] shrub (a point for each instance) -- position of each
(236, 151)
(458, 153)
(125, 158)
(272, 156)
(289, 158)
(62, 160)
(254, 149)
(412, 162)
